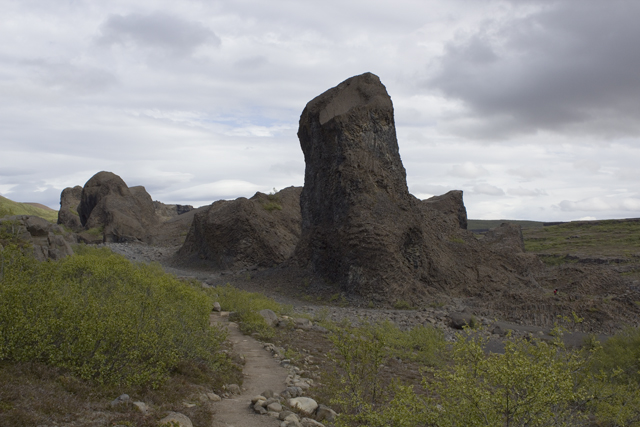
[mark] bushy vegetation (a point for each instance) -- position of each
(102, 318)
(533, 383)
(358, 388)
(247, 306)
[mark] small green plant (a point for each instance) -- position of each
(401, 305)
(95, 231)
(456, 240)
(273, 202)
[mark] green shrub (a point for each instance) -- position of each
(247, 306)
(534, 383)
(102, 317)
(273, 202)
(402, 305)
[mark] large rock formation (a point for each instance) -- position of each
(361, 229)
(49, 241)
(123, 214)
(259, 232)
(360, 226)
(69, 202)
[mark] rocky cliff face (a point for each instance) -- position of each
(361, 229)
(245, 233)
(68, 214)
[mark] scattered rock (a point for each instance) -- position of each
(308, 422)
(460, 320)
(275, 406)
(176, 417)
(123, 398)
(259, 409)
(214, 397)
(306, 405)
(216, 307)
(269, 316)
(302, 323)
(142, 407)
(324, 413)
(233, 389)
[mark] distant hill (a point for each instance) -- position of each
(481, 225)
(9, 207)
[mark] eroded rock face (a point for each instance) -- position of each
(450, 204)
(361, 229)
(124, 214)
(49, 241)
(69, 202)
(262, 231)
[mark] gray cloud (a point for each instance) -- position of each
(468, 170)
(570, 67)
(156, 30)
(69, 77)
(527, 192)
(488, 189)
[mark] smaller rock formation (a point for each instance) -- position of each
(450, 204)
(259, 232)
(166, 212)
(69, 202)
(49, 241)
(123, 214)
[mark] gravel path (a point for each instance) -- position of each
(261, 372)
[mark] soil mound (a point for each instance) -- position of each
(245, 233)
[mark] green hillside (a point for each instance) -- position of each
(9, 207)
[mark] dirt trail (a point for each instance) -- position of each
(261, 372)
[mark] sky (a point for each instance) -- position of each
(531, 107)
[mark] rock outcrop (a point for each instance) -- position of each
(262, 231)
(68, 214)
(450, 204)
(166, 212)
(49, 241)
(123, 214)
(361, 229)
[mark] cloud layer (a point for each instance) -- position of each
(528, 107)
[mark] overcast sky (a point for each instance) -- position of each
(532, 108)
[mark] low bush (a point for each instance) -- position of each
(102, 317)
(247, 306)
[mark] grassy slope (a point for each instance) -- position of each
(9, 207)
(487, 224)
(608, 238)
